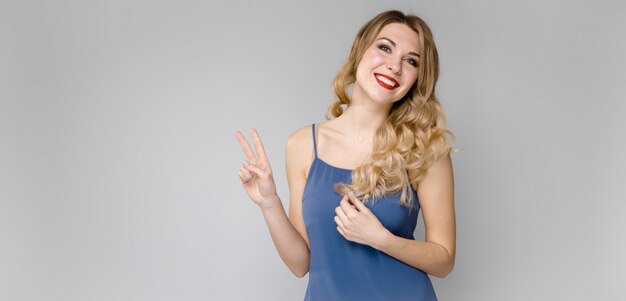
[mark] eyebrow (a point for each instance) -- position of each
(394, 45)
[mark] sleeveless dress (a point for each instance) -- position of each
(344, 270)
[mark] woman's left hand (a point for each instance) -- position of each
(358, 224)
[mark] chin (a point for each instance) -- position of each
(385, 99)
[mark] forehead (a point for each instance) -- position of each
(404, 37)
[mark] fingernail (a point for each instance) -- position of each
(246, 162)
(247, 175)
(351, 193)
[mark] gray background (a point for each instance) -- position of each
(118, 166)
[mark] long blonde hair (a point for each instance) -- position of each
(414, 135)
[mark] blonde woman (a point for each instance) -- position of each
(358, 180)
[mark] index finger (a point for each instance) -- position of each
(346, 206)
(258, 144)
(356, 201)
(246, 147)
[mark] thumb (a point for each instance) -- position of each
(254, 169)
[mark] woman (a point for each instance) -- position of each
(358, 180)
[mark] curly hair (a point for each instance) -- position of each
(414, 135)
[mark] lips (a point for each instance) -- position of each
(386, 81)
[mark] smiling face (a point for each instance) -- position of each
(388, 68)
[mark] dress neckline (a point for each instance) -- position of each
(335, 167)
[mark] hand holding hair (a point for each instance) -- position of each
(357, 223)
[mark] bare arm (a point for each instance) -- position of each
(436, 255)
(291, 247)
(257, 179)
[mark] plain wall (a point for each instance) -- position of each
(118, 161)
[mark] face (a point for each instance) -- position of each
(388, 68)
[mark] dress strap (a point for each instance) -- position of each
(314, 142)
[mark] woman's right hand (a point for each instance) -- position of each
(257, 178)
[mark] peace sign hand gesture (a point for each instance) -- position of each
(257, 178)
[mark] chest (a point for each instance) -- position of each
(320, 200)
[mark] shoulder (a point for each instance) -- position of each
(301, 139)
(299, 150)
(441, 168)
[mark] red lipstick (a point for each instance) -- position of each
(385, 85)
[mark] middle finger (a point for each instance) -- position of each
(347, 207)
(341, 215)
(246, 147)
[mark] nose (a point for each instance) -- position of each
(394, 66)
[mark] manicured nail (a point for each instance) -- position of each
(246, 162)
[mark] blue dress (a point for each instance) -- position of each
(344, 270)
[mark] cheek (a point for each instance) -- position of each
(413, 78)
(375, 59)
(368, 63)
(371, 59)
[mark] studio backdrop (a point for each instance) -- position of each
(118, 160)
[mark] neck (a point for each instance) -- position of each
(362, 118)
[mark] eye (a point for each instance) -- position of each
(412, 62)
(384, 48)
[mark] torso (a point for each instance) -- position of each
(373, 274)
